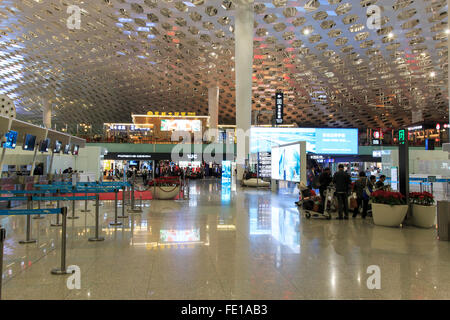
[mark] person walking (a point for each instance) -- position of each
(359, 189)
(342, 181)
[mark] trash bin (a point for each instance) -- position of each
(443, 220)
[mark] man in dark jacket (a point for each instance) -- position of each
(324, 180)
(342, 182)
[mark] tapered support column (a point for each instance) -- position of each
(213, 106)
(244, 68)
(46, 113)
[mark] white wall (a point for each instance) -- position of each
(433, 162)
(88, 160)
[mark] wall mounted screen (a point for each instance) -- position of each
(66, 149)
(318, 140)
(286, 163)
(43, 147)
(11, 140)
(57, 146)
(180, 125)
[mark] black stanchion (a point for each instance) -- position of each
(85, 201)
(73, 207)
(39, 215)
(28, 230)
(2, 241)
(62, 269)
(97, 217)
(123, 216)
(58, 205)
(133, 208)
(115, 223)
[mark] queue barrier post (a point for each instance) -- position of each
(133, 202)
(115, 223)
(62, 269)
(2, 241)
(58, 205)
(123, 216)
(28, 227)
(97, 218)
(73, 208)
(85, 201)
(39, 207)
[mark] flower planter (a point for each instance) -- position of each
(166, 192)
(424, 216)
(387, 215)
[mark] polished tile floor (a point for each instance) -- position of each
(225, 243)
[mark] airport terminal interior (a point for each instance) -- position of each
(224, 150)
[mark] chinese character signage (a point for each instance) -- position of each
(401, 136)
(279, 108)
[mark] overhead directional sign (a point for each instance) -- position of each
(279, 107)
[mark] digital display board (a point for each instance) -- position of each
(11, 140)
(57, 146)
(318, 140)
(181, 125)
(43, 147)
(226, 171)
(29, 142)
(286, 163)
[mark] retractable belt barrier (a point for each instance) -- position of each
(63, 211)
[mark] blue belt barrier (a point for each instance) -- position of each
(13, 198)
(22, 191)
(29, 212)
(63, 198)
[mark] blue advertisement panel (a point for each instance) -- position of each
(336, 141)
(226, 171)
(318, 140)
(286, 163)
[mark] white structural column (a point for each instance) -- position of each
(46, 113)
(213, 107)
(244, 67)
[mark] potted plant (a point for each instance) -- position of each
(388, 208)
(423, 209)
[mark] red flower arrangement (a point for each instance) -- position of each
(422, 198)
(388, 197)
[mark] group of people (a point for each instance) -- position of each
(363, 188)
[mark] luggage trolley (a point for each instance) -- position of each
(328, 205)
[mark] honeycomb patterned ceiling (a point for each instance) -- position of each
(134, 56)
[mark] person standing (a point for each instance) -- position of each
(324, 180)
(342, 181)
(380, 182)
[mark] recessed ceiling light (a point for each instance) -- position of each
(432, 74)
(390, 35)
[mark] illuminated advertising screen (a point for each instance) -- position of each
(172, 235)
(180, 125)
(226, 171)
(11, 140)
(318, 140)
(286, 163)
(29, 143)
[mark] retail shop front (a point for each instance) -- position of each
(193, 164)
